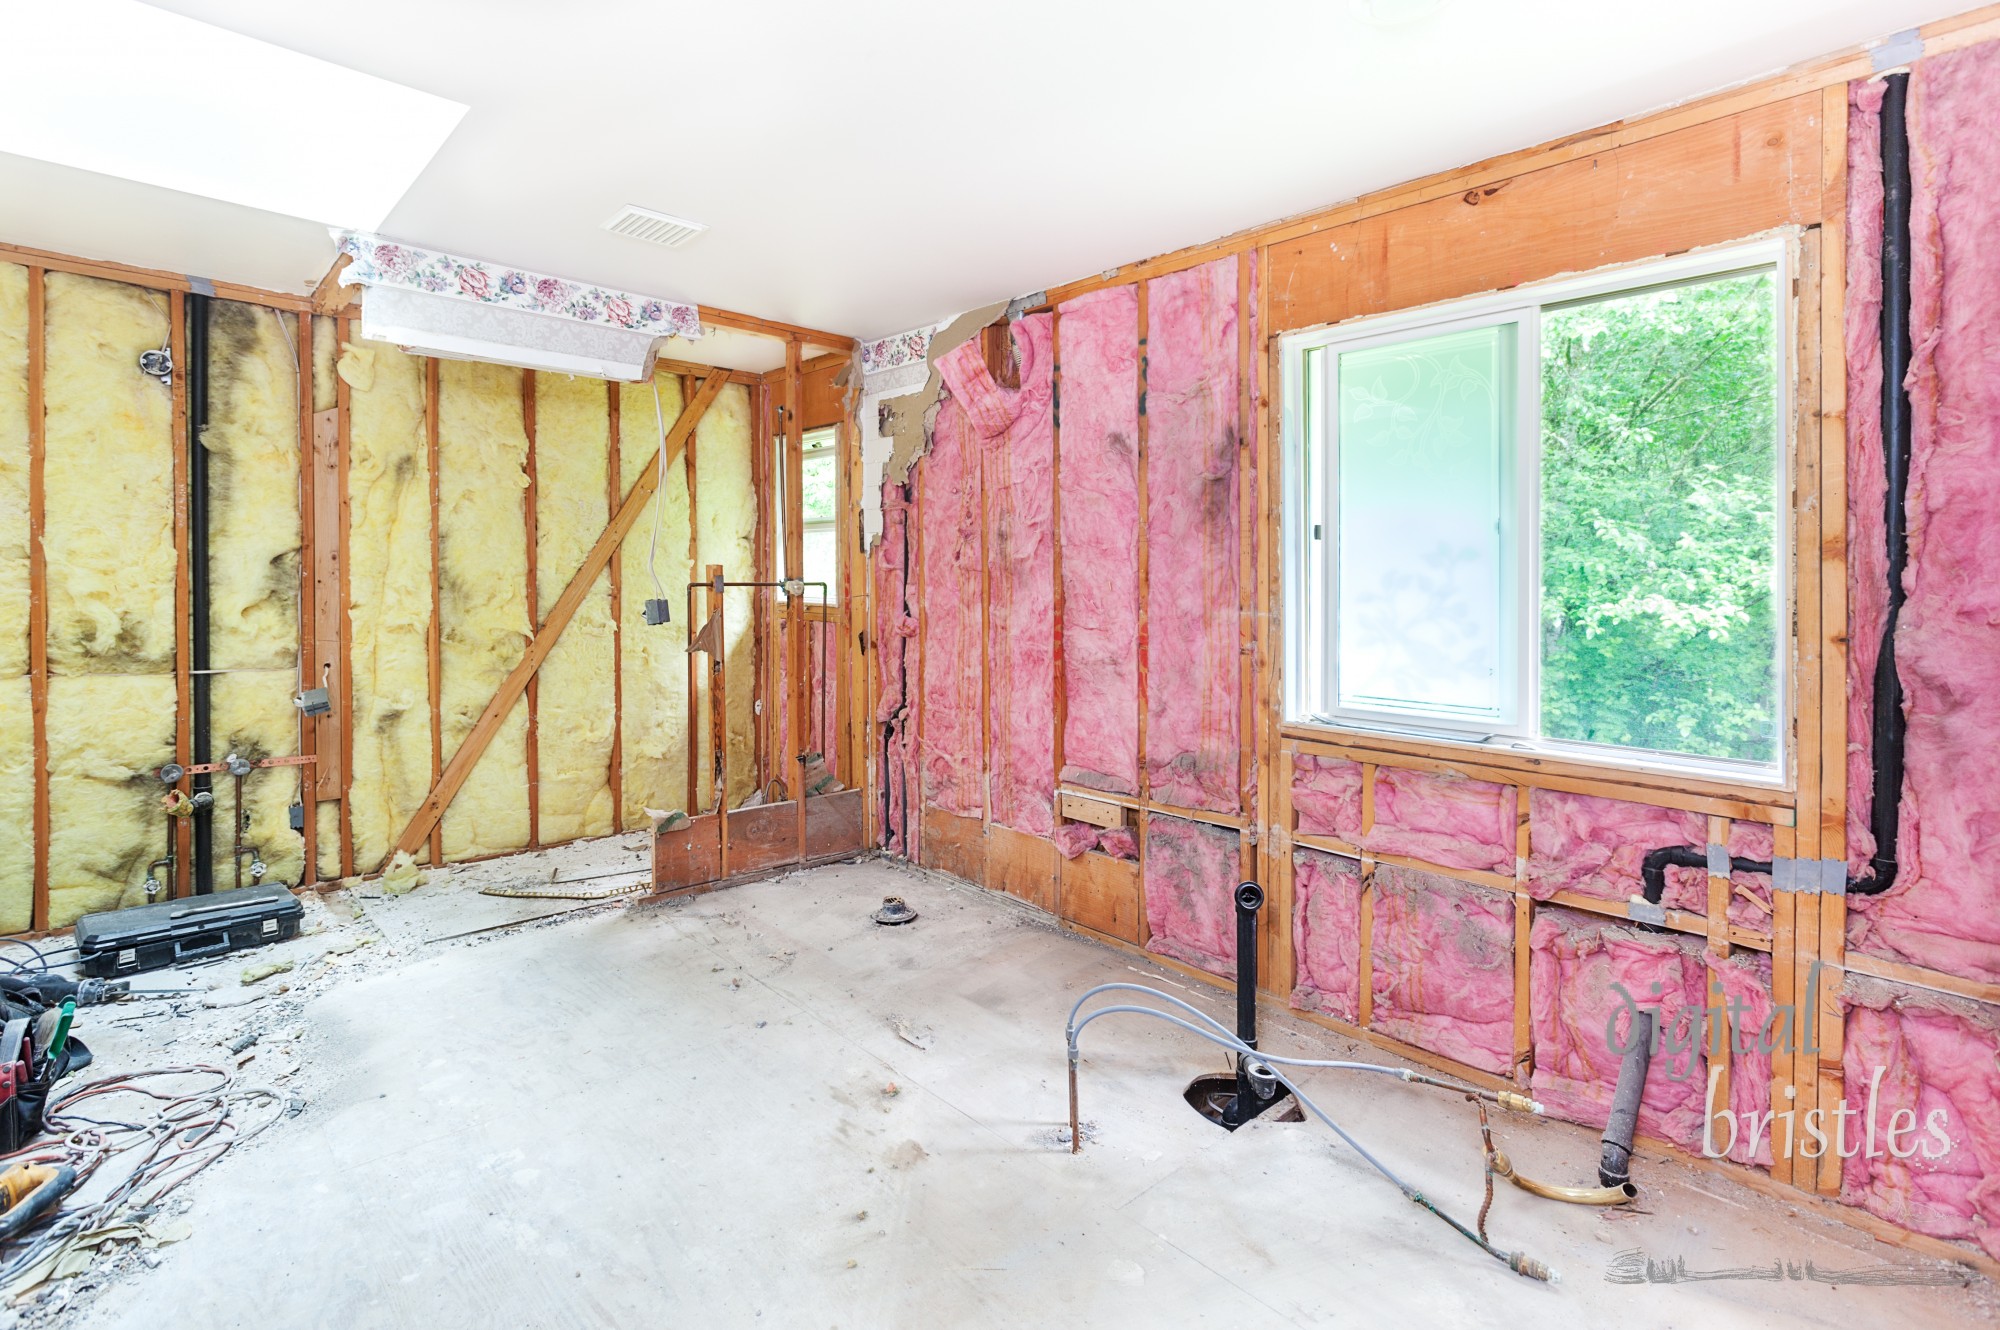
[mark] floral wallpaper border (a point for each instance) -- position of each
(382, 262)
(885, 353)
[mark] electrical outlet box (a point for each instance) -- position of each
(298, 816)
(658, 612)
(315, 702)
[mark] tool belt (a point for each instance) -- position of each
(28, 1021)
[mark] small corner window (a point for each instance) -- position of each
(1552, 519)
(818, 504)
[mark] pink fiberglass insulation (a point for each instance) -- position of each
(1119, 843)
(1581, 1021)
(1745, 1002)
(1190, 888)
(1867, 552)
(1326, 796)
(1192, 610)
(1927, 1069)
(1099, 420)
(895, 656)
(1073, 838)
(1592, 845)
(1944, 911)
(1443, 819)
(1016, 430)
(948, 725)
(1443, 966)
(1326, 933)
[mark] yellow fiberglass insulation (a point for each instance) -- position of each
(483, 596)
(252, 439)
(326, 825)
(326, 355)
(108, 481)
(17, 802)
(13, 477)
(654, 659)
(726, 520)
(109, 734)
(251, 714)
(389, 594)
(574, 704)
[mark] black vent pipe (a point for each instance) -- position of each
(1885, 812)
(196, 372)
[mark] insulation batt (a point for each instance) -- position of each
(1326, 796)
(1073, 838)
(1326, 934)
(1443, 966)
(1190, 882)
(1574, 962)
(252, 442)
(13, 473)
(1867, 551)
(1443, 819)
(17, 778)
(1593, 846)
(1192, 527)
(948, 727)
(108, 481)
(573, 701)
(1016, 429)
(726, 534)
(1923, 1054)
(389, 595)
(653, 658)
(1099, 420)
(108, 537)
(1745, 976)
(1944, 911)
(482, 597)
(1119, 843)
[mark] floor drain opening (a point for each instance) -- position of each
(1213, 1094)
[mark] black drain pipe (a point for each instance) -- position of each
(196, 372)
(1258, 1090)
(1885, 811)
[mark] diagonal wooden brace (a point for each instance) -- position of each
(452, 778)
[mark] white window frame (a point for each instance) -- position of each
(1311, 587)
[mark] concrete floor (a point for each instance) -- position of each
(757, 1107)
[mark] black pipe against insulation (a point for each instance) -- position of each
(196, 372)
(1888, 731)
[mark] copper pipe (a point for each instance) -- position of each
(1618, 1195)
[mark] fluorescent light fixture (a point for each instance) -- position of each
(123, 89)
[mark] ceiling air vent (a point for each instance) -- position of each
(657, 227)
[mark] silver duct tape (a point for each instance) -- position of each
(1640, 910)
(1896, 50)
(1718, 860)
(1784, 874)
(1833, 876)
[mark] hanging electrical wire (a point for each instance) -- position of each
(659, 496)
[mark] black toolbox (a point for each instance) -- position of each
(147, 937)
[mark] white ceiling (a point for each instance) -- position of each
(869, 168)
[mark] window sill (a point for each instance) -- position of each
(1772, 801)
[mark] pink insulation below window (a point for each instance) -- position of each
(1326, 933)
(1016, 433)
(1326, 797)
(948, 727)
(1443, 819)
(1944, 911)
(1192, 526)
(1099, 420)
(1190, 879)
(1580, 1021)
(1443, 966)
(1926, 1068)
(1592, 845)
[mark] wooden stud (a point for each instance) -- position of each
(785, 332)
(697, 684)
(1145, 645)
(716, 603)
(798, 655)
(452, 779)
(1365, 967)
(1831, 422)
(38, 584)
(434, 636)
(766, 666)
(615, 573)
(344, 710)
(1524, 924)
(308, 464)
(530, 502)
(184, 866)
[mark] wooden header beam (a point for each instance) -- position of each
(453, 777)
